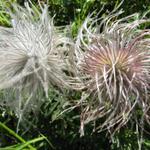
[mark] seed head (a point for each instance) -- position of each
(32, 53)
(115, 68)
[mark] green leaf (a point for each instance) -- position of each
(147, 143)
(15, 135)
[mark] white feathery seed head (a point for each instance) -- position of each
(32, 53)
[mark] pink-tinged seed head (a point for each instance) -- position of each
(115, 68)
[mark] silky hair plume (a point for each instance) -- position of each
(33, 57)
(113, 62)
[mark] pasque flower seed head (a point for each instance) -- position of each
(32, 55)
(113, 60)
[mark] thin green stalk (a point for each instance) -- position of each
(30, 142)
(15, 135)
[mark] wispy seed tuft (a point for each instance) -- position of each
(113, 60)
